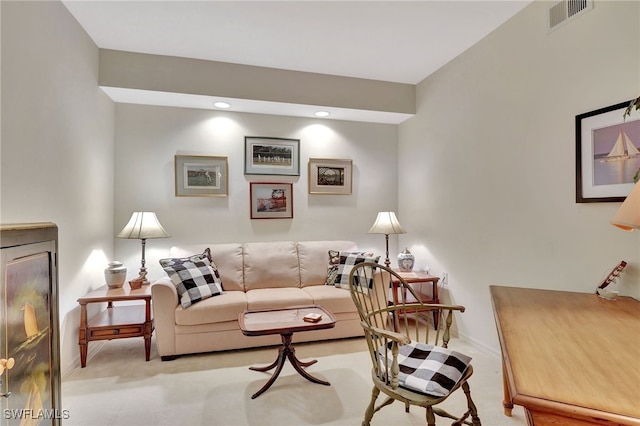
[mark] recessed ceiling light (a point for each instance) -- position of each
(222, 105)
(321, 114)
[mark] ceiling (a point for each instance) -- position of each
(394, 41)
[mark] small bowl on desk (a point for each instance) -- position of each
(608, 294)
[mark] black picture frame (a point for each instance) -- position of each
(271, 156)
(601, 176)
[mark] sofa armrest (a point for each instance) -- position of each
(165, 300)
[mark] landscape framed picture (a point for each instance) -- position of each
(271, 156)
(271, 200)
(201, 176)
(330, 176)
(607, 154)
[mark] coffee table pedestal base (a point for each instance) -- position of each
(285, 352)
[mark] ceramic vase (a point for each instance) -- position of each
(115, 274)
(405, 261)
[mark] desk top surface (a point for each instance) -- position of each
(570, 350)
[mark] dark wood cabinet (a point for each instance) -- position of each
(30, 382)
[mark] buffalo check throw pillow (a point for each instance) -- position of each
(342, 262)
(195, 277)
(428, 369)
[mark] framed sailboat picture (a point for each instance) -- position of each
(607, 154)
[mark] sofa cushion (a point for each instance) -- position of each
(268, 298)
(271, 265)
(195, 278)
(223, 308)
(313, 259)
(334, 299)
(341, 263)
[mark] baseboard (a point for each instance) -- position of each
(92, 350)
(481, 346)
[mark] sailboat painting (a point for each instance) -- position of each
(623, 149)
(616, 153)
(28, 337)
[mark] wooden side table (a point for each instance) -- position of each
(116, 322)
(418, 278)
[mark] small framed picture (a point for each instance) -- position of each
(271, 200)
(330, 176)
(607, 154)
(271, 156)
(201, 176)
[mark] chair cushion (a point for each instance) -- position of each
(427, 369)
(341, 263)
(196, 278)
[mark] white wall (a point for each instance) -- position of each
(489, 158)
(57, 147)
(148, 137)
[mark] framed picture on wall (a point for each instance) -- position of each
(330, 176)
(607, 154)
(271, 156)
(201, 176)
(271, 200)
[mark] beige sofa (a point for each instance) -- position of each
(254, 276)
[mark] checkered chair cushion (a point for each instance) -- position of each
(431, 370)
(196, 277)
(341, 263)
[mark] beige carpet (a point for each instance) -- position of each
(119, 388)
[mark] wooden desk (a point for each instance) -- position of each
(569, 358)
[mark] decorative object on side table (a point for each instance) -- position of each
(405, 260)
(142, 226)
(115, 274)
(137, 282)
(386, 223)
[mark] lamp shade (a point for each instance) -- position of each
(143, 225)
(628, 215)
(386, 223)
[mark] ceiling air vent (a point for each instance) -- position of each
(564, 11)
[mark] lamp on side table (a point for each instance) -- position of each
(141, 226)
(386, 223)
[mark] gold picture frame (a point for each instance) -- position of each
(201, 176)
(330, 176)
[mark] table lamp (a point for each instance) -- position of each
(628, 215)
(386, 223)
(141, 226)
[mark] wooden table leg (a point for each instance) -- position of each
(148, 329)
(286, 351)
(507, 404)
(278, 363)
(82, 335)
(436, 300)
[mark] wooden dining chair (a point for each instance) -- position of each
(411, 360)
